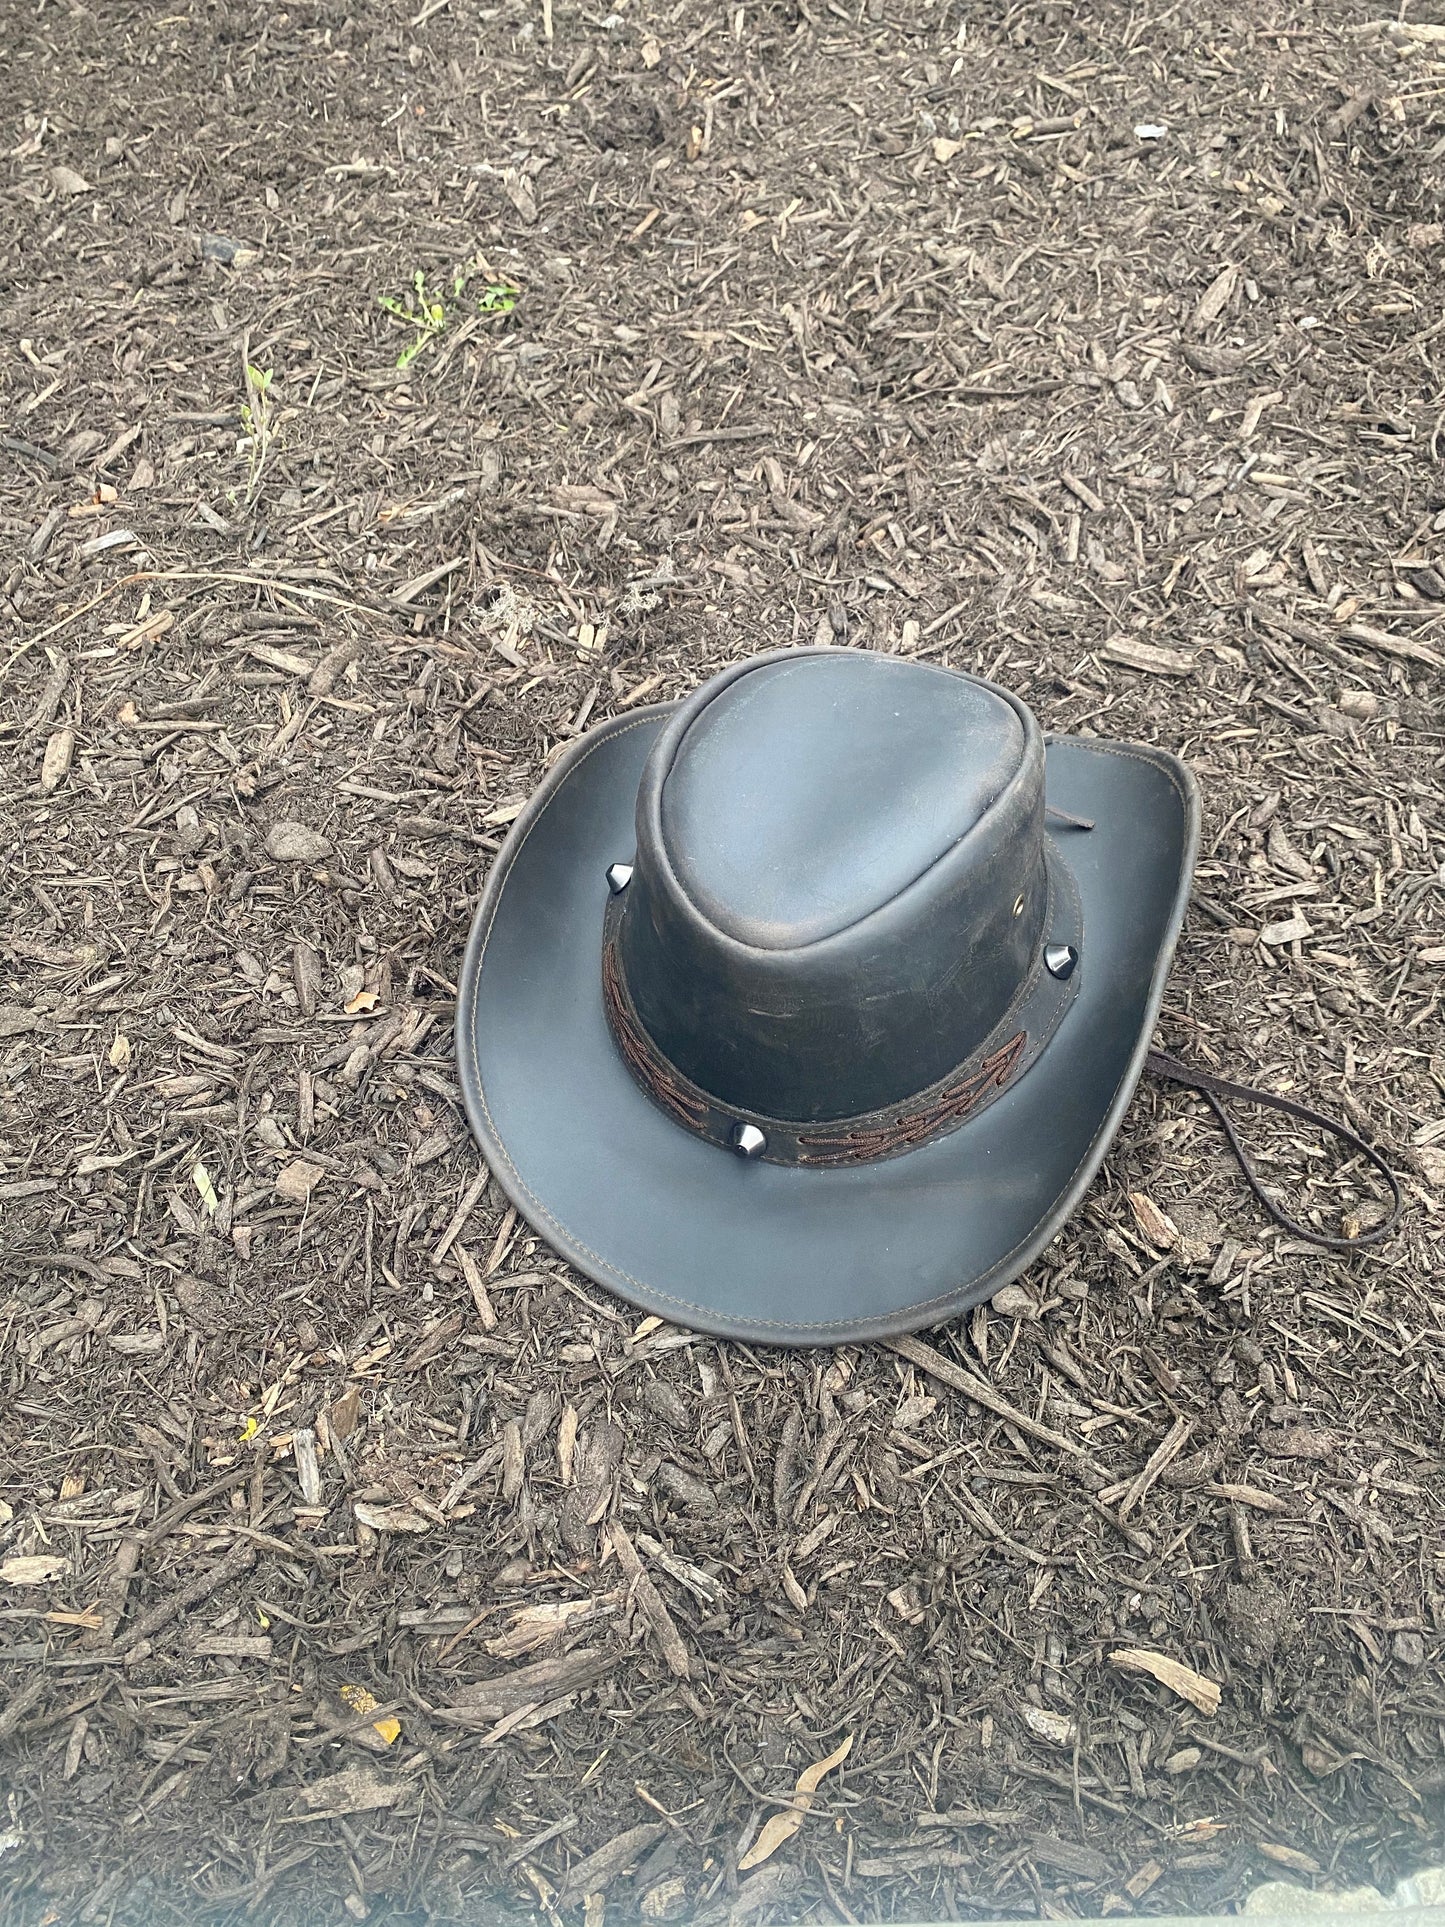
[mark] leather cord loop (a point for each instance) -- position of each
(1212, 1089)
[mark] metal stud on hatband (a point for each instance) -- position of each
(618, 878)
(1060, 960)
(749, 1141)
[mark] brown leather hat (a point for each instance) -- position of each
(806, 1009)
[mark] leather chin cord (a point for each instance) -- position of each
(1212, 1089)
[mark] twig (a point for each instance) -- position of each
(168, 1521)
(1130, 1491)
(961, 1380)
(650, 1600)
(239, 1559)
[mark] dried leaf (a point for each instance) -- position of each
(1183, 1680)
(1215, 298)
(119, 1052)
(364, 1001)
(360, 1700)
(201, 1178)
(782, 1826)
(342, 1414)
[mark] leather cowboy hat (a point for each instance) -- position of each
(805, 1010)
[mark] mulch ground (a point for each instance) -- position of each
(358, 1560)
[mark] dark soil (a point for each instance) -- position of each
(762, 324)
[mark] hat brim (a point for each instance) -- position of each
(778, 1254)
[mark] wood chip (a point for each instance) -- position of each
(282, 659)
(55, 765)
(1058, 1729)
(33, 1569)
(1404, 647)
(356, 1789)
(390, 1518)
(487, 1700)
(1183, 1680)
(1152, 657)
(596, 1873)
(1157, 1226)
(650, 1600)
(296, 1181)
(1250, 1495)
(1293, 930)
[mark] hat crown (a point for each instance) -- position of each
(814, 790)
(840, 883)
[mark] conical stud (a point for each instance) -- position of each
(749, 1141)
(1060, 960)
(618, 878)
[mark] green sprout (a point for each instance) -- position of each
(498, 297)
(429, 314)
(419, 310)
(258, 426)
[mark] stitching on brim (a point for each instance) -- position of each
(924, 1306)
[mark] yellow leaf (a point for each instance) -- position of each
(119, 1052)
(390, 1730)
(265, 1621)
(359, 1699)
(250, 1429)
(782, 1826)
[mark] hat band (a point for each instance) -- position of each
(934, 1112)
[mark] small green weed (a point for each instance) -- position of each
(258, 426)
(429, 313)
